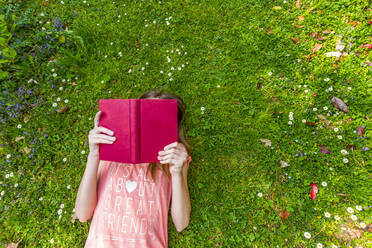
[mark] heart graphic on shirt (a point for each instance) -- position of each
(130, 185)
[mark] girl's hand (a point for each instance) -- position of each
(175, 155)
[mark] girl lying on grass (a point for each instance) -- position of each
(129, 203)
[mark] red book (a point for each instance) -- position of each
(142, 128)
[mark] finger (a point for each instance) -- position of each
(104, 141)
(104, 136)
(169, 156)
(174, 144)
(105, 130)
(168, 161)
(96, 118)
(172, 150)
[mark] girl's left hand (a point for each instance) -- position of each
(175, 155)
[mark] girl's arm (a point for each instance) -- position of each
(181, 206)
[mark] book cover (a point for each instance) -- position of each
(142, 128)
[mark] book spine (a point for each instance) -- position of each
(134, 130)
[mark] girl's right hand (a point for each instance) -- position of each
(96, 137)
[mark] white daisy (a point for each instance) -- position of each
(259, 194)
(325, 108)
(69, 186)
(55, 74)
(327, 214)
(16, 185)
(326, 79)
(339, 136)
(83, 152)
(54, 104)
(58, 99)
(8, 155)
(335, 129)
(319, 245)
(52, 241)
(362, 225)
(19, 126)
(41, 198)
(270, 73)
(202, 108)
(218, 86)
(59, 211)
(346, 160)
(353, 217)
(304, 121)
(359, 208)
(290, 113)
(62, 205)
(350, 210)
(2, 192)
(315, 109)
(337, 217)
(289, 122)
(324, 184)
(344, 152)
(334, 246)
(291, 118)
(307, 235)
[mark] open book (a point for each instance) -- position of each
(142, 128)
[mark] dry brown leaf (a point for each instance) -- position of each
(26, 118)
(340, 45)
(283, 164)
(317, 47)
(339, 104)
(299, 26)
(318, 37)
(64, 109)
(266, 142)
(298, 3)
(73, 218)
(354, 23)
(268, 30)
(301, 18)
(13, 245)
(295, 40)
(27, 150)
(347, 234)
(19, 138)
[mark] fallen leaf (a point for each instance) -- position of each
(277, 7)
(137, 43)
(317, 47)
(266, 142)
(326, 31)
(268, 30)
(310, 123)
(318, 37)
(27, 150)
(347, 234)
(301, 18)
(324, 150)
(354, 23)
(350, 147)
(367, 45)
(340, 45)
(12, 245)
(325, 121)
(26, 118)
(73, 218)
(333, 54)
(62, 109)
(259, 86)
(19, 138)
(284, 214)
(313, 34)
(73, 83)
(295, 40)
(360, 131)
(283, 164)
(348, 120)
(313, 191)
(298, 3)
(339, 104)
(299, 26)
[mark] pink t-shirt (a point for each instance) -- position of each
(132, 210)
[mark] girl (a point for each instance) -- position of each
(129, 203)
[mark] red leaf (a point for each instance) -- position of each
(313, 34)
(360, 131)
(351, 147)
(294, 40)
(324, 149)
(284, 214)
(318, 37)
(311, 123)
(317, 47)
(367, 45)
(313, 191)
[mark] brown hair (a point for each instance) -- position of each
(181, 118)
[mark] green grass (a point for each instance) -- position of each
(232, 48)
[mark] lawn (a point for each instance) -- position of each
(278, 107)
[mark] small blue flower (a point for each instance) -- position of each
(289, 177)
